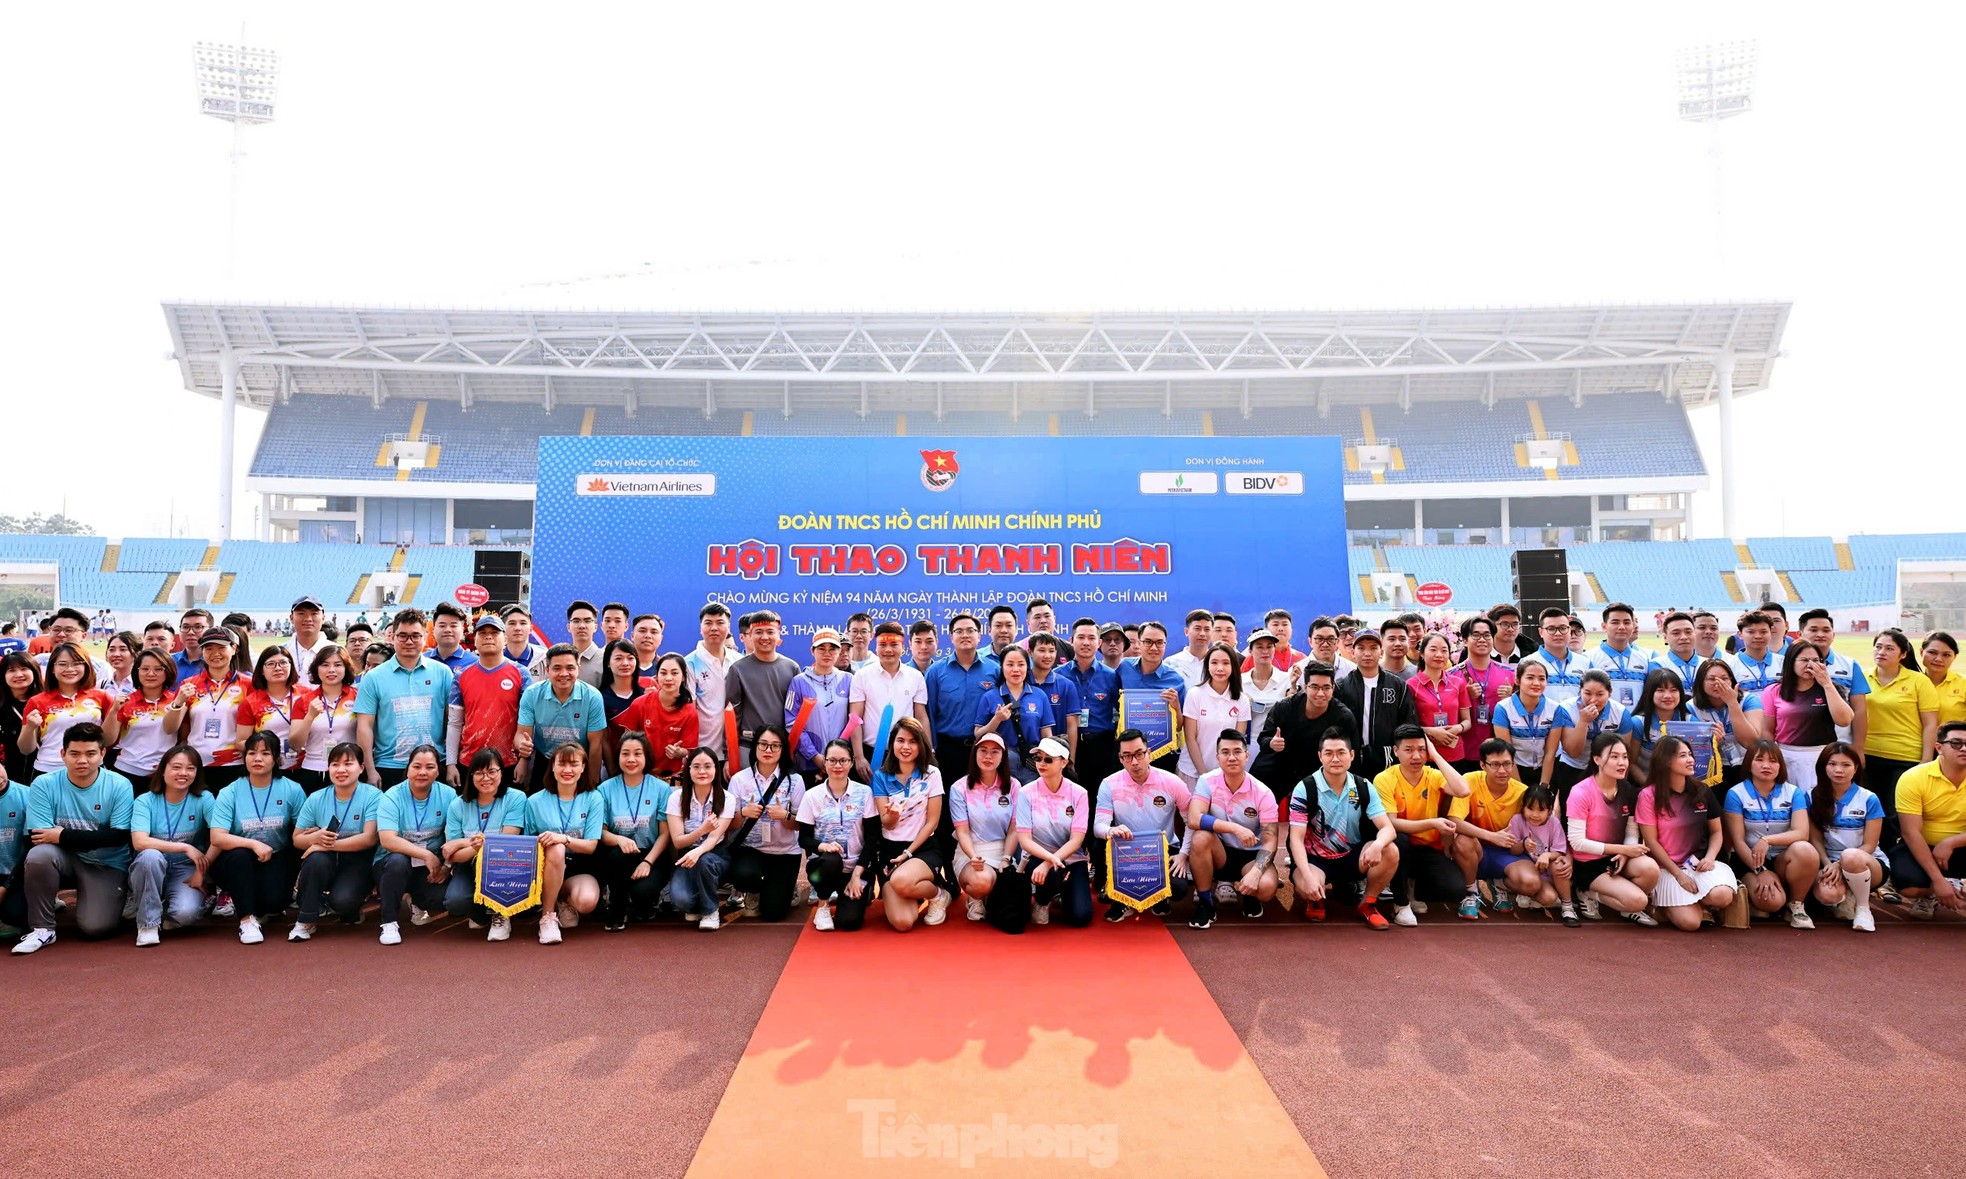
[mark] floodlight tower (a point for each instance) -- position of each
(237, 85)
(1716, 83)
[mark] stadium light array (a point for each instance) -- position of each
(1716, 81)
(235, 83)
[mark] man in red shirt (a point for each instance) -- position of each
(484, 704)
(1278, 622)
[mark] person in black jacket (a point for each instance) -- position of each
(1379, 701)
(1287, 748)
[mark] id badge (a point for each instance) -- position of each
(1085, 718)
(1440, 720)
(1482, 715)
(211, 727)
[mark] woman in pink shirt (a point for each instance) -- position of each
(1440, 700)
(1679, 819)
(1608, 861)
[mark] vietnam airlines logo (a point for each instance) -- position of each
(597, 485)
(939, 469)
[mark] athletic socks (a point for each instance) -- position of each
(1859, 885)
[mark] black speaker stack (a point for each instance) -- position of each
(1541, 580)
(506, 574)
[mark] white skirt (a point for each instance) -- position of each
(1668, 894)
(990, 851)
(1801, 761)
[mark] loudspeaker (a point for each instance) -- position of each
(505, 574)
(1541, 579)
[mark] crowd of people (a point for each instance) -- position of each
(184, 777)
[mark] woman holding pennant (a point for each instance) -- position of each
(486, 806)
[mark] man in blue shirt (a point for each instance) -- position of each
(401, 704)
(561, 709)
(190, 627)
(10, 642)
(78, 822)
(954, 686)
(1149, 674)
(1097, 758)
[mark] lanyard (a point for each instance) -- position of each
(484, 816)
(417, 812)
(285, 714)
(331, 710)
(635, 807)
(218, 690)
(170, 821)
(341, 816)
(252, 796)
(566, 811)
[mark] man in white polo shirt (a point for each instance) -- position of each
(307, 639)
(887, 680)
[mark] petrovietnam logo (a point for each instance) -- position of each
(939, 469)
(595, 484)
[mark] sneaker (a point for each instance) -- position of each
(1799, 919)
(1845, 909)
(1314, 910)
(33, 940)
(549, 929)
(974, 908)
(147, 937)
(249, 934)
(938, 908)
(1252, 907)
(1589, 908)
(130, 907)
(1641, 918)
(501, 929)
(1204, 915)
(392, 934)
(615, 924)
(568, 915)
(222, 905)
(1404, 916)
(1862, 923)
(1040, 913)
(1570, 917)
(1162, 908)
(822, 918)
(1924, 908)
(1888, 893)
(710, 921)
(421, 916)
(1470, 908)
(692, 917)
(1115, 914)
(1503, 901)
(1419, 907)
(1374, 919)
(300, 932)
(1225, 893)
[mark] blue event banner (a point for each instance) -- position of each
(1136, 870)
(902, 528)
(508, 873)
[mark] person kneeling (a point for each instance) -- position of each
(1767, 821)
(1679, 819)
(837, 829)
(1052, 816)
(78, 823)
(1608, 863)
(1232, 827)
(1329, 811)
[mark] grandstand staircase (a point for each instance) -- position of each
(224, 589)
(396, 559)
(163, 597)
(111, 554)
(1732, 581)
(1844, 560)
(355, 595)
(210, 559)
(1788, 586)
(1597, 588)
(409, 588)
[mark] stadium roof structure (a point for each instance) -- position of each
(259, 354)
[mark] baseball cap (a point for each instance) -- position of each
(825, 635)
(1367, 633)
(306, 602)
(1258, 635)
(992, 738)
(1054, 747)
(214, 635)
(489, 622)
(1111, 628)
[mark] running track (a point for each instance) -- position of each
(1514, 1046)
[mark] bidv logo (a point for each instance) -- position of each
(1266, 483)
(939, 469)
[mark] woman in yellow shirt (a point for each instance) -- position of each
(1940, 650)
(1904, 717)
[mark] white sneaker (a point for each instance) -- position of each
(710, 921)
(1419, 906)
(392, 934)
(1846, 909)
(1862, 923)
(473, 923)
(501, 929)
(224, 906)
(1642, 919)
(1924, 908)
(1799, 919)
(549, 930)
(147, 937)
(938, 908)
(1225, 893)
(974, 908)
(130, 907)
(249, 934)
(421, 916)
(1589, 908)
(300, 933)
(1404, 916)
(1040, 914)
(822, 919)
(33, 940)
(569, 916)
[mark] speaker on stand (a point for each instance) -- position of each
(1540, 579)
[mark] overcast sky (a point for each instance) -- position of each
(1051, 157)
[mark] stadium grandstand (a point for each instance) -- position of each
(398, 441)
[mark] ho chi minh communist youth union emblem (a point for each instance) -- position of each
(939, 469)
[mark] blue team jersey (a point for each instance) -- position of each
(54, 801)
(349, 815)
(467, 816)
(416, 821)
(263, 814)
(635, 811)
(1529, 729)
(189, 820)
(579, 816)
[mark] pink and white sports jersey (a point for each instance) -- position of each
(60, 713)
(1053, 816)
(211, 724)
(1141, 807)
(835, 818)
(1251, 806)
(988, 811)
